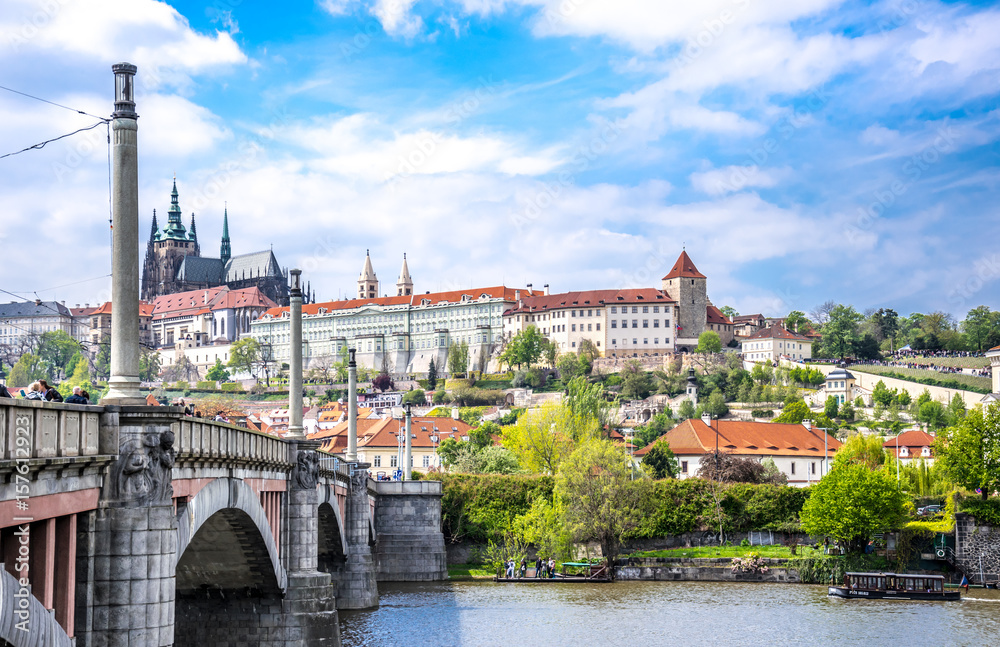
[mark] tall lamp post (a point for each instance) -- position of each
(406, 445)
(352, 408)
(124, 380)
(295, 360)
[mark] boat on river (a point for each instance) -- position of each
(572, 572)
(893, 586)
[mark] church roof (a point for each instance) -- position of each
(196, 269)
(404, 273)
(174, 229)
(262, 264)
(684, 268)
(368, 272)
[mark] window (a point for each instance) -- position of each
(572, 313)
(684, 467)
(635, 341)
(645, 341)
(614, 310)
(793, 468)
(377, 462)
(645, 309)
(614, 342)
(590, 313)
(590, 327)
(624, 323)
(656, 323)
(645, 323)
(635, 323)
(574, 344)
(614, 323)
(598, 326)
(427, 460)
(393, 460)
(656, 341)
(635, 309)
(656, 309)
(574, 327)
(813, 467)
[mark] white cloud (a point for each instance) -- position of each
(716, 121)
(731, 179)
(396, 18)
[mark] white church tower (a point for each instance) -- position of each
(404, 285)
(368, 282)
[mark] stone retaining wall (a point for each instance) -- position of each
(665, 569)
(977, 549)
(409, 542)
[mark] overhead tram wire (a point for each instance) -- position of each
(53, 103)
(54, 139)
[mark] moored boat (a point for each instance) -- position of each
(893, 586)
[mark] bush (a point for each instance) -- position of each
(481, 507)
(232, 387)
(986, 512)
(762, 413)
(440, 397)
(206, 385)
(470, 397)
(258, 389)
(182, 386)
(415, 397)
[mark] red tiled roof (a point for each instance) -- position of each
(194, 302)
(454, 296)
(591, 298)
(684, 268)
(910, 439)
(145, 309)
(383, 433)
(715, 316)
(747, 318)
(745, 438)
(776, 332)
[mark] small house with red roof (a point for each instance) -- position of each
(994, 356)
(911, 445)
(798, 450)
(773, 342)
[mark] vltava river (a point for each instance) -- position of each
(636, 614)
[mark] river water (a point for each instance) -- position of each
(637, 614)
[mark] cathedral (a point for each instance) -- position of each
(174, 262)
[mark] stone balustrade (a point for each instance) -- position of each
(209, 442)
(48, 429)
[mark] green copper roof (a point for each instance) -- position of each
(174, 229)
(226, 251)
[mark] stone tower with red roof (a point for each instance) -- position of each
(689, 287)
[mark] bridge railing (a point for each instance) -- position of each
(202, 439)
(36, 429)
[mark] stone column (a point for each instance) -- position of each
(295, 360)
(357, 588)
(124, 382)
(352, 408)
(407, 460)
(135, 536)
(310, 607)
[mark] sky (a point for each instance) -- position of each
(799, 151)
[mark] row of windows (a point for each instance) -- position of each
(635, 341)
(635, 323)
(635, 309)
(394, 460)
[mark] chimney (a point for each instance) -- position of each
(517, 297)
(807, 424)
(707, 419)
(529, 289)
(545, 290)
(454, 413)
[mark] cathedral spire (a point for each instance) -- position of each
(175, 228)
(194, 231)
(154, 229)
(404, 285)
(226, 253)
(368, 282)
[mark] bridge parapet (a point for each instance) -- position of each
(210, 443)
(53, 430)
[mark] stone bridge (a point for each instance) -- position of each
(127, 526)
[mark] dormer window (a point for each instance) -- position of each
(903, 451)
(926, 451)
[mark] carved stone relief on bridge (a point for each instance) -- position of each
(306, 474)
(141, 475)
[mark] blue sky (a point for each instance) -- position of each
(800, 151)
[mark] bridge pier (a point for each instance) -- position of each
(410, 544)
(356, 584)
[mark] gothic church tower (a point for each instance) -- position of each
(368, 282)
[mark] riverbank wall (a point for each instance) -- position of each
(667, 569)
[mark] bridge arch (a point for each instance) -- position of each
(227, 506)
(42, 628)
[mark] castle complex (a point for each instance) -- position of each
(174, 262)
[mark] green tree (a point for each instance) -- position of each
(432, 375)
(550, 350)
(686, 410)
(797, 322)
(716, 405)
(882, 395)
(729, 311)
(524, 349)
(831, 407)
(956, 410)
(862, 450)
(482, 436)
(589, 403)
(970, 450)
(458, 358)
(709, 342)
(79, 377)
(149, 365)
(840, 332)
(102, 358)
(635, 381)
(979, 326)
(543, 437)
(568, 366)
(660, 461)
(932, 414)
(794, 413)
(852, 503)
(58, 352)
(416, 396)
(589, 350)
(489, 460)
(217, 373)
(245, 356)
(885, 321)
(846, 412)
(29, 368)
(601, 501)
(658, 425)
